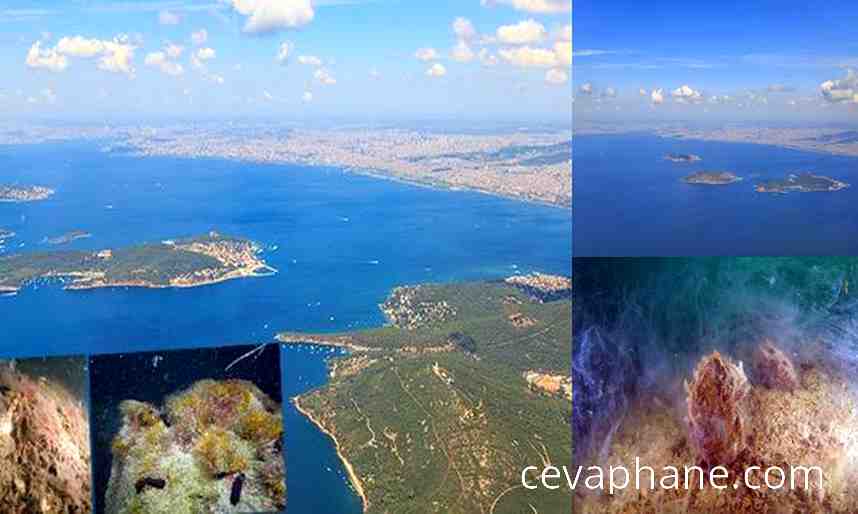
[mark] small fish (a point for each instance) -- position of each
(143, 483)
(235, 495)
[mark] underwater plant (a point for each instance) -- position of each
(774, 369)
(214, 448)
(717, 411)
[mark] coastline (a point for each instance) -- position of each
(354, 479)
(321, 340)
(76, 285)
(376, 174)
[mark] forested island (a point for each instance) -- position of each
(441, 409)
(712, 178)
(801, 183)
(185, 262)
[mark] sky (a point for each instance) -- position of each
(752, 60)
(504, 60)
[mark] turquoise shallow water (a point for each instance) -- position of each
(339, 241)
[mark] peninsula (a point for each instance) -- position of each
(712, 178)
(682, 157)
(801, 183)
(189, 262)
(24, 194)
(68, 237)
(441, 409)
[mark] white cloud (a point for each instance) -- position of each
(556, 76)
(563, 49)
(643, 92)
(309, 60)
(528, 57)
(264, 16)
(204, 54)
(535, 6)
(685, 94)
(283, 52)
(79, 46)
(566, 33)
(48, 58)
(609, 92)
(307, 97)
(586, 89)
(426, 54)
(374, 74)
(843, 90)
(522, 33)
(464, 29)
(174, 51)
(324, 77)
(200, 37)
(657, 96)
(116, 55)
(723, 99)
(487, 58)
(161, 61)
(436, 70)
(462, 52)
(166, 17)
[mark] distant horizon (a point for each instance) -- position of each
(767, 60)
(228, 58)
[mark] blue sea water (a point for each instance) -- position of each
(341, 242)
(630, 201)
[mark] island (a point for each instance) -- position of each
(441, 409)
(801, 183)
(24, 194)
(188, 262)
(712, 178)
(68, 237)
(682, 157)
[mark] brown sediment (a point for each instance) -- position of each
(355, 480)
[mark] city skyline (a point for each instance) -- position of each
(480, 59)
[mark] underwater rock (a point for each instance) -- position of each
(774, 369)
(717, 405)
(177, 459)
(44, 447)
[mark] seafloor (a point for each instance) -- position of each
(44, 447)
(814, 424)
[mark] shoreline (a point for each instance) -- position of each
(77, 286)
(321, 340)
(376, 174)
(354, 479)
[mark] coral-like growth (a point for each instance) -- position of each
(774, 369)
(222, 452)
(215, 432)
(717, 417)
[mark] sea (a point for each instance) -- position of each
(630, 201)
(339, 241)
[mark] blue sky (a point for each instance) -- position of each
(348, 58)
(739, 60)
